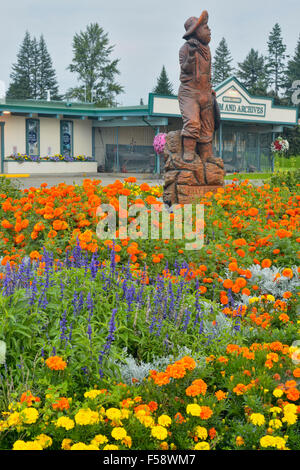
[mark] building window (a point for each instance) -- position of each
(66, 138)
(33, 137)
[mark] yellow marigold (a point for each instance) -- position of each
(3, 425)
(290, 418)
(290, 408)
(14, 419)
(257, 419)
(92, 393)
(275, 423)
(277, 393)
(29, 445)
(202, 446)
(119, 433)
(271, 441)
(32, 445)
(275, 409)
(66, 444)
(193, 409)
(110, 447)
(82, 446)
(86, 416)
(125, 413)
(65, 422)
(267, 441)
(147, 421)
(29, 415)
(19, 445)
(159, 432)
(99, 439)
(164, 420)
(201, 432)
(113, 414)
(44, 440)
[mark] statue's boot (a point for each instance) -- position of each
(189, 147)
(205, 150)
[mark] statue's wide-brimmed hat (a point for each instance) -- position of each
(192, 23)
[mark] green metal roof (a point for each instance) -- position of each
(69, 108)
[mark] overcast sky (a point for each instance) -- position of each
(146, 34)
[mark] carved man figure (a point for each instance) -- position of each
(191, 169)
(195, 96)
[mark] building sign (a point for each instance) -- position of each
(248, 109)
(233, 102)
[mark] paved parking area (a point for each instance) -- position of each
(106, 178)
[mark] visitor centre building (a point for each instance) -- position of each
(120, 140)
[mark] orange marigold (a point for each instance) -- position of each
(205, 412)
(240, 389)
(293, 394)
(161, 378)
(188, 362)
(61, 404)
(220, 395)
(56, 363)
(176, 371)
(198, 387)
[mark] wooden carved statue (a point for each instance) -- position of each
(191, 169)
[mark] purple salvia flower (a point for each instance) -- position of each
(109, 340)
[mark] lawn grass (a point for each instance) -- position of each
(249, 176)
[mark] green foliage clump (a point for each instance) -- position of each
(289, 179)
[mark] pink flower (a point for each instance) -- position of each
(159, 142)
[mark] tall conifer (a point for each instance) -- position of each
(221, 65)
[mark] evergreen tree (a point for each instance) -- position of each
(221, 67)
(47, 76)
(35, 66)
(96, 71)
(33, 74)
(292, 73)
(163, 86)
(21, 75)
(275, 61)
(252, 73)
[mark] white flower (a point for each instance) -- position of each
(2, 352)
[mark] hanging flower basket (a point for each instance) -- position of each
(159, 143)
(280, 146)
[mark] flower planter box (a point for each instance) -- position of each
(46, 167)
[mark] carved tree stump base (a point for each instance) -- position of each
(189, 194)
(185, 182)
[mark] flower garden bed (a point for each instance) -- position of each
(54, 164)
(140, 344)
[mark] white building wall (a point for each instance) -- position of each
(14, 134)
(49, 136)
(82, 137)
